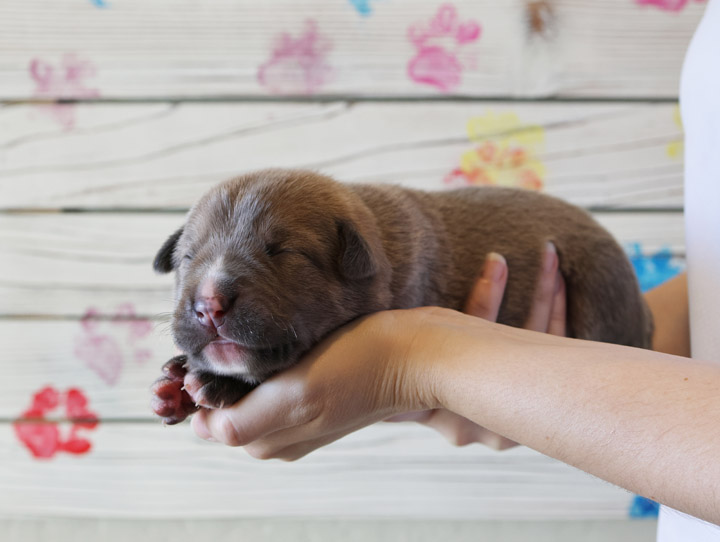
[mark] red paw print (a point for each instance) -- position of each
(438, 44)
(42, 437)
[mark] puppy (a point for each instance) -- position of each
(269, 263)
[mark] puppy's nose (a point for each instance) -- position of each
(210, 311)
(210, 306)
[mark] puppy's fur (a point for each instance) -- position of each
(296, 254)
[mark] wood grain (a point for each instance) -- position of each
(142, 471)
(179, 49)
(164, 156)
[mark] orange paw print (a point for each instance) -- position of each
(506, 154)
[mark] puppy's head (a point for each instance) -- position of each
(266, 265)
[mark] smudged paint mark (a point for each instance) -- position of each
(62, 82)
(42, 437)
(506, 154)
(676, 149)
(99, 349)
(654, 269)
(643, 508)
(439, 45)
(363, 7)
(99, 3)
(540, 17)
(297, 65)
(666, 5)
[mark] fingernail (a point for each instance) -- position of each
(550, 254)
(497, 266)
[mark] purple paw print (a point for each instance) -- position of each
(438, 45)
(64, 81)
(102, 352)
(297, 65)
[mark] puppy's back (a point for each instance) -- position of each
(443, 238)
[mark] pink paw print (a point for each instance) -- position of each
(62, 82)
(297, 65)
(438, 45)
(102, 352)
(667, 5)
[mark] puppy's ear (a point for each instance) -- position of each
(356, 260)
(163, 262)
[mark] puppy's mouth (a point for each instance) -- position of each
(228, 354)
(232, 358)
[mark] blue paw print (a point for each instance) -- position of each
(362, 7)
(652, 270)
(644, 508)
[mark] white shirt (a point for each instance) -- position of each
(700, 104)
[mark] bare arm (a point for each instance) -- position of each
(669, 305)
(643, 420)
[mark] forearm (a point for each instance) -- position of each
(645, 421)
(669, 306)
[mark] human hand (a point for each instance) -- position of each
(361, 374)
(547, 315)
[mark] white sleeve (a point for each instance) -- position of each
(700, 103)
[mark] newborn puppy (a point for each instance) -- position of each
(269, 263)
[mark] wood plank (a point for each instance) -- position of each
(59, 265)
(170, 48)
(144, 471)
(162, 156)
(324, 529)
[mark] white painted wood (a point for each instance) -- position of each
(165, 156)
(171, 48)
(317, 530)
(383, 471)
(61, 264)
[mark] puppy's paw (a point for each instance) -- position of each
(214, 391)
(169, 400)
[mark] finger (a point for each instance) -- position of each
(487, 293)
(461, 431)
(279, 446)
(263, 411)
(417, 416)
(544, 292)
(558, 315)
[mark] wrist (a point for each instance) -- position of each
(439, 348)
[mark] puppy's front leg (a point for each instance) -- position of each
(169, 400)
(215, 391)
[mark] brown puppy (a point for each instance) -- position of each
(269, 263)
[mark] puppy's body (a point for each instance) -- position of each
(269, 263)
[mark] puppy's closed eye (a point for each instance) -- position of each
(275, 249)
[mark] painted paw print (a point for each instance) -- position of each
(666, 5)
(102, 352)
(506, 154)
(65, 81)
(43, 438)
(652, 269)
(363, 7)
(439, 45)
(297, 65)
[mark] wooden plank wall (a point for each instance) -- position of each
(116, 114)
